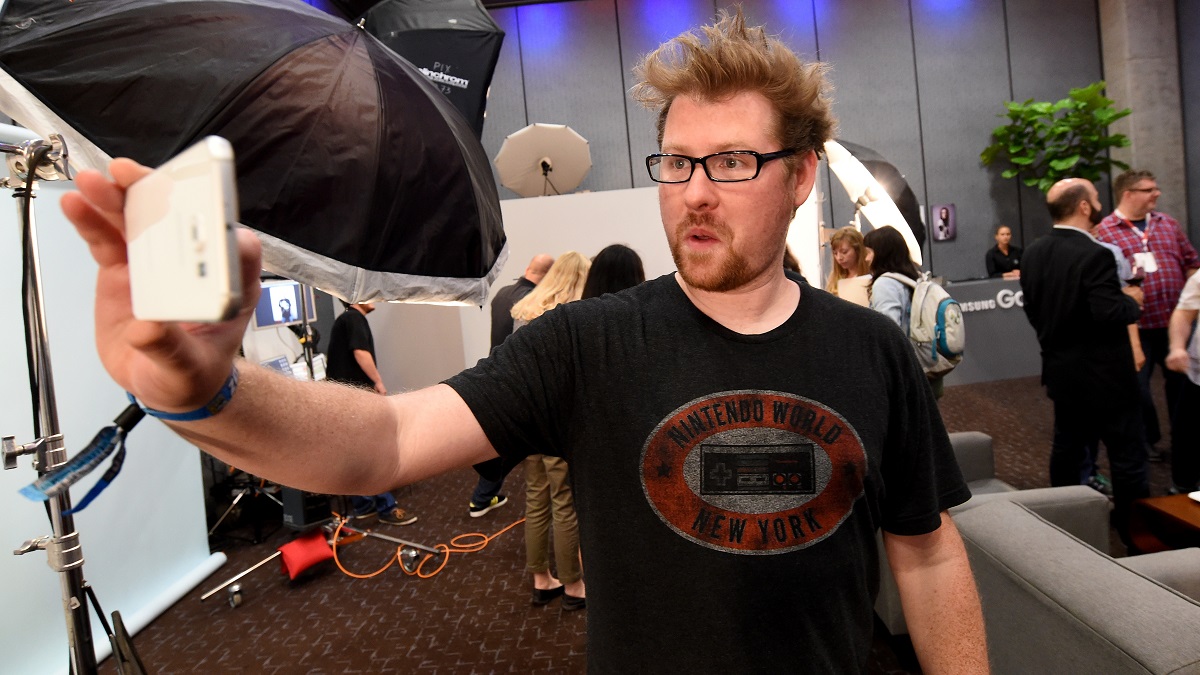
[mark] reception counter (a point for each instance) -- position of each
(1000, 342)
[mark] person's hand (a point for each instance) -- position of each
(1015, 274)
(380, 388)
(168, 366)
(1139, 357)
(1178, 360)
(1135, 292)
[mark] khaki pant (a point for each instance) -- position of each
(548, 491)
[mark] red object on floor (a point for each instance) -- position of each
(304, 551)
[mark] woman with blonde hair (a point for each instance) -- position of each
(548, 495)
(849, 257)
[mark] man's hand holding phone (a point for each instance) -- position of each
(168, 366)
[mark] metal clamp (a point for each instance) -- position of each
(62, 554)
(55, 165)
(12, 451)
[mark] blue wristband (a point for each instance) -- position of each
(216, 405)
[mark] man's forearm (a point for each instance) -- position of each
(316, 436)
(363, 357)
(941, 603)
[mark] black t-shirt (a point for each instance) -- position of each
(350, 332)
(998, 263)
(728, 486)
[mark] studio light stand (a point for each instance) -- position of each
(28, 163)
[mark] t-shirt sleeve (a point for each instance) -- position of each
(522, 393)
(359, 334)
(920, 474)
(1190, 297)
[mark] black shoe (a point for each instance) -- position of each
(495, 503)
(571, 603)
(541, 597)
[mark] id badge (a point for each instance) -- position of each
(1145, 260)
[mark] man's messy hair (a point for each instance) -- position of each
(715, 62)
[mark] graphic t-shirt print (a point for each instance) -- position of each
(753, 472)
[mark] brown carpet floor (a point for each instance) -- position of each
(474, 616)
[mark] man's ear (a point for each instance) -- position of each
(805, 176)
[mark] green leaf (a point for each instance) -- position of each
(1064, 163)
(1009, 173)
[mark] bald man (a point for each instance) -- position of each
(505, 298)
(1081, 314)
(486, 495)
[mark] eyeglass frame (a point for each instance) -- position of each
(1145, 190)
(761, 158)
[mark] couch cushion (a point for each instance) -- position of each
(1053, 604)
(1178, 569)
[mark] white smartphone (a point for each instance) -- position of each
(180, 238)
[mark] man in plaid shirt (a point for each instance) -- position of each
(1158, 250)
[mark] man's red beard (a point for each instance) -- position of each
(697, 268)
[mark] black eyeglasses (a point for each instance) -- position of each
(720, 167)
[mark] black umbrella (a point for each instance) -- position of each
(360, 176)
(894, 183)
(455, 43)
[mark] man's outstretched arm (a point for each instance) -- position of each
(316, 436)
(941, 604)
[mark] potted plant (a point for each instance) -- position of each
(1045, 142)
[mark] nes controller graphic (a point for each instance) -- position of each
(757, 469)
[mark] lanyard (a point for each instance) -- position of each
(1145, 234)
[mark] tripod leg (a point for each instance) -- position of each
(241, 493)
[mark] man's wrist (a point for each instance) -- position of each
(215, 405)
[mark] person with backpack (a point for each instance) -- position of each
(935, 329)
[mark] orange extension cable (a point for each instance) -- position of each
(457, 545)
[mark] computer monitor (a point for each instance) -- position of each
(279, 304)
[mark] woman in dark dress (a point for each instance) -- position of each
(1004, 259)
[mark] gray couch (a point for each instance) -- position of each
(1079, 510)
(1053, 602)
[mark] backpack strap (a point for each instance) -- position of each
(901, 278)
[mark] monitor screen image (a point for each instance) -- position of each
(279, 304)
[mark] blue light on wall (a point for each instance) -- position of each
(945, 6)
(543, 28)
(795, 12)
(664, 19)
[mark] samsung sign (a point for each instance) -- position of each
(1005, 299)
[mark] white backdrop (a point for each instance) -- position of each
(144, 539)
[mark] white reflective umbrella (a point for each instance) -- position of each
(543, 159)
(870, 198)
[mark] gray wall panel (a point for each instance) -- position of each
(1188, 16)
(791, 21)
(869, 47)
(506, 97)
(962, 73)
(572, 67)
(1053, 48)
(644, 25)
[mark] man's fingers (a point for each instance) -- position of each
(250, 255)
(104, 240)
(126, 172)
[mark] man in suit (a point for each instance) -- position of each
(1080, 312)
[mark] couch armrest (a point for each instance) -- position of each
(973, 450)
(1055, 605)
(1077, 509)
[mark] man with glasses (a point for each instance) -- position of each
(1162, 256)
(736, 438)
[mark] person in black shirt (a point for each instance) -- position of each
(351, 360)
(1003, 259)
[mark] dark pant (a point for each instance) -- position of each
(485, 489)
(380, 503)
(1156, 346)
(1075, 424)
(1185, 438)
